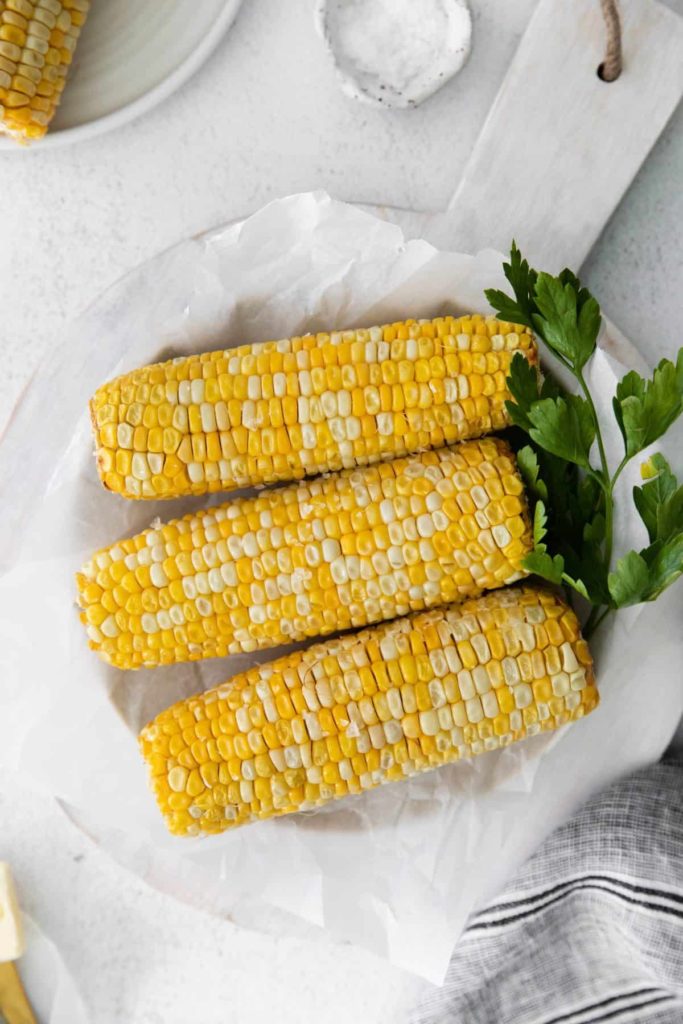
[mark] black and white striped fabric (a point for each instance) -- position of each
(591, 931)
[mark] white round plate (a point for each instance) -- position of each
(133, 54)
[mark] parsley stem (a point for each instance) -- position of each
(607, 483)
(620, 468)
(598, 433)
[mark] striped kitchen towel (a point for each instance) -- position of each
(591, 930)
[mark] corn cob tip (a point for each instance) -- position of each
(37, 42)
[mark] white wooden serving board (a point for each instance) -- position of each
(560, 147)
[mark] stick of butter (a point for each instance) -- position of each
(11, 929)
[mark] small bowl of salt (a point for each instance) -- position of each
(395, 53)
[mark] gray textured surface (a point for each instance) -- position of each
(636, 268)
(262, 119)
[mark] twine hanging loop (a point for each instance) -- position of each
(611, 67)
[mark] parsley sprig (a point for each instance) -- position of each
(565, 464)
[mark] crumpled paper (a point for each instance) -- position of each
(397, 870)
(46, 980)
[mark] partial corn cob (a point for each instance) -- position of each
(349, 714)
(286, 409)
(37, 42)
(306, 560)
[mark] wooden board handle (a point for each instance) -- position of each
(560, 146)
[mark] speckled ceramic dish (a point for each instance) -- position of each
(395, 54)
(131, 56)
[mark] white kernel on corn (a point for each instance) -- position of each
(501, 535)
(510, 671)
(527, 637)
(292, 756)
(124, 436)
(577, 680)
(377, 736)
(436, 693)
(523, 695)
(313, 725)
(177, 779)
(445, 717)
(157, 575)
(475, 711)
(429, 722)
(363, 742)
(208, 417)
(393, 730)
(560, 684)
(339, 571)
(425, 526)
(466, 684)
(149, 623)
(109, 628)
(489, 703)
(569, 660)
(516, 721)
(331, 549)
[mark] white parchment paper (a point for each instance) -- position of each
(399, 869)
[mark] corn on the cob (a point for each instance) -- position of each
(37, 42)
(286, 409)
(349, 714)
(306, 560)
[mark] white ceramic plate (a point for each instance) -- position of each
(132, 55)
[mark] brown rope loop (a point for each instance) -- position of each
(611, 67)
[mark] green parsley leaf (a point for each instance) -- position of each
(527, 460)
(568, 319)
(543, 565)
(629, 582)
(589, 498)
(540, 522)
(564, 427)
(550, 388)
(655, 494)
(665, 567)
(645, 409)
(670, 517)
(519, 310)
(506, 308)
(574, 503)
(594, 530)
(523, 384)
(578, 585)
